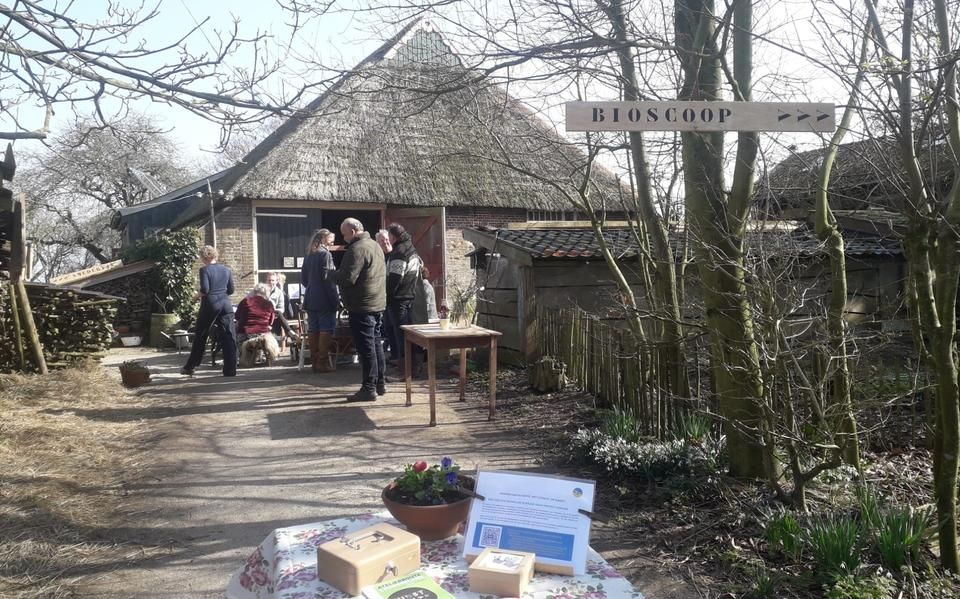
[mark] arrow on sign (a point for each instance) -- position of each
(801, 116)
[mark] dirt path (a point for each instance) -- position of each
(270, 448)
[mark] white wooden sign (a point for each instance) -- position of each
(700, 116)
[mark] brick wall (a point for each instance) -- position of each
(460, 218)
(235, 242)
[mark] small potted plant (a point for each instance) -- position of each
(431, 501)
(134, 373)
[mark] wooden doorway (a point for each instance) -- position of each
(425, 226)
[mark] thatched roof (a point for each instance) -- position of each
(866, 174)
(410, 126)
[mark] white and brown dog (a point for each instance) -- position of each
(256, 346)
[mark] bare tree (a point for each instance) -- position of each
(919, 108)
(52, 60)
(74, 184)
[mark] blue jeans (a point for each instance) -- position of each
(321, 322)
(366, 332)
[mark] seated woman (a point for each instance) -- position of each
(276, 282)
(255, 313)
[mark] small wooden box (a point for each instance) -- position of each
(501, 572)
(369, 556)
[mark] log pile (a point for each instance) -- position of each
(138, 291)
(72, 325)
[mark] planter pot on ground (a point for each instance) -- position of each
(134, 377)
(429, 522)
(162, 322)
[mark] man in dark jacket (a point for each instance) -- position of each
(362, 278)
(403, 273)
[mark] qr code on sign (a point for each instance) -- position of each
(490, 536)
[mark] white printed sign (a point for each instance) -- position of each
(700, 116)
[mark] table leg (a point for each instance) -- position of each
(432, 381)
(407, 350)
(493, 377)
(463, 373)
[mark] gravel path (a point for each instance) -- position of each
(275, 447)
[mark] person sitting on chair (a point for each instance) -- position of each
(281, 327)
(216, 287)
(255, 317)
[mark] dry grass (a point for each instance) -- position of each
(62, 479)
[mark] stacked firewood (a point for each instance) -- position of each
(72, 325)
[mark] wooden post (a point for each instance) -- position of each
(527, 315)
(17, 333)
(17, 256)
(31, 328)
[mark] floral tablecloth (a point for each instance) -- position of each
(285, 566)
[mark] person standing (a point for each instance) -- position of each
(362, 278)
(388, 341)
(320, 301)
(216, 287)
(403, 274)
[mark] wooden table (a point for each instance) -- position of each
(431, 338)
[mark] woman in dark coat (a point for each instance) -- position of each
(216, 287)
(320, 301)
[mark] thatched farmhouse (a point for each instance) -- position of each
(409, 135)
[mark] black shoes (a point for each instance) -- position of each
(381, 388)
(363, 395)
(186, 371)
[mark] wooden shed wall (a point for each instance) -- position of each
(875, 291)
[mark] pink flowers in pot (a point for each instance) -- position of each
(422, 484)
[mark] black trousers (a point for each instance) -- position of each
(399, 315)
(366, 333)
(228, 338)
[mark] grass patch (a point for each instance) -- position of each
(61, 479)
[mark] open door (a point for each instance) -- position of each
(425, 226)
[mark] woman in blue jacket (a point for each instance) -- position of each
(216, 287)
(320, 300)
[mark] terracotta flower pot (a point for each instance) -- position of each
(429, 522)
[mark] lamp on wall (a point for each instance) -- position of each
(211, 197)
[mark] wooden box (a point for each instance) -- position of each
(501, 572)
(369, 556)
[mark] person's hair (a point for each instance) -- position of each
(317, 240)
(354, 224)
(397, 230)
(261, 289)
(383, 235)
(209, 253)
(281, 278)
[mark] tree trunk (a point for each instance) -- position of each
(667, 304)
(717, 225)
(843, 423)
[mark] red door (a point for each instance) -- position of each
(425, 226)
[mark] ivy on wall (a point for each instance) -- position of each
(174, 283)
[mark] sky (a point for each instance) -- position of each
(343, 38)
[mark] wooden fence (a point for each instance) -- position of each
(604, 360)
